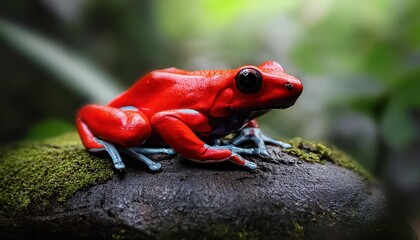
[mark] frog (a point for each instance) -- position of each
(190, 113)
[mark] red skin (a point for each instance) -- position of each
(186, 109)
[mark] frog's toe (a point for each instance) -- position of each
(240, 139)
(137, 153)
(119, 165)
(155, 167)
(286, 145)
(148, 151)
(239, 150)
(276, 142)
(264, 152)
(113, 152)
(237, 159)
(168, 151)
(250, 165)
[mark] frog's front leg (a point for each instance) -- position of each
(178, 127)
(251, 132)
(115, 130)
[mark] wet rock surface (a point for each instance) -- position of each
(286, 198)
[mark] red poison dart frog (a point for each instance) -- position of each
(190, 112)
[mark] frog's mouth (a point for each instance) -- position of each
(261, 109)
(284, 106)
(286, 103)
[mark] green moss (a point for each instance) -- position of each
(299, 229)
(213, 231)
(119, 234)
(36, 173)
(321, 153)
(220, 231)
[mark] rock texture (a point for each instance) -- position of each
(286, 198)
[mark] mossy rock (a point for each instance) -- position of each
(38, 173)
(54, 189)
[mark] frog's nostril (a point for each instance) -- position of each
(288, 85)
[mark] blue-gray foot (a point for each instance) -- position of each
(113, 152)
(134, 152)
(140, 152)
(251, 165)
(259, 138)
(237, 150)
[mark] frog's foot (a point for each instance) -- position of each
(236, 158)
(246, 163)
(140, 152)
(259, 138)
(112, 151)
(134, 152)
(238, 150)
(149, 151)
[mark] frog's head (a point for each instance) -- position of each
(259, 88)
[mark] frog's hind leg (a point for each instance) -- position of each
(100, 127)
(138, 153)
(125, 126)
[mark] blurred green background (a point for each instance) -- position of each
(359, 62)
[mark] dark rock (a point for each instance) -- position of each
(286, 198)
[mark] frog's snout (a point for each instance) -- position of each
(294, 85)
(291, 90)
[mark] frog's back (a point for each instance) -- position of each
(162, 90)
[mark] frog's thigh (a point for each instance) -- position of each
(126, 126)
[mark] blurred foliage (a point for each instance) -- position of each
(74, 71)
(379, 39)
(49, 128)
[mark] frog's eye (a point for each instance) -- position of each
(248, 80)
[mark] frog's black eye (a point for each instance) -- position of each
(248, 80)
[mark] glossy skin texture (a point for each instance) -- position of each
(189, 110)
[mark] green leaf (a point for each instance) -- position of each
(69, 68)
